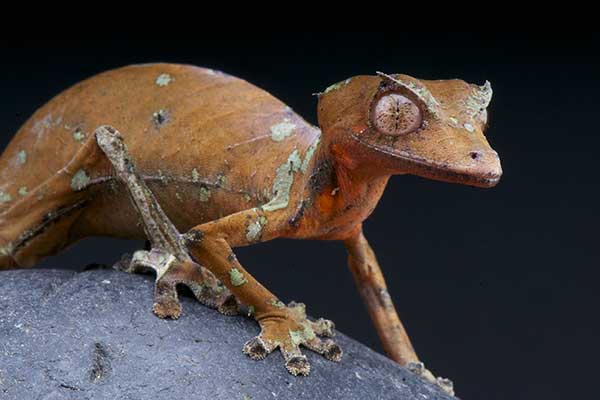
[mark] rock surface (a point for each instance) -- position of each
(92, 335)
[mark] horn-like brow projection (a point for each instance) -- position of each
(422, 93)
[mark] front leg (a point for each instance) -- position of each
(283, 327)
(373, 290)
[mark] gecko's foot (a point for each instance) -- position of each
(418, 368)
(171, 272)
(287, 331)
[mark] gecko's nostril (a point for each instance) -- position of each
(475, 155)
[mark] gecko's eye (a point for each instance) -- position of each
(394, 114)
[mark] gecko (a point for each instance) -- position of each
(198, 162)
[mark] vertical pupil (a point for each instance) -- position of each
(395, 114)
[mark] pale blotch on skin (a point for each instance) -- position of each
(5, 197)
(195, 176)
(282, 130)
(480, 99)
(303, 335)
(6, 251)
(276, 303)
(78, 135)
(237, 278)
(453, 122)
(22, 157)
(338, 85)
(254, 228)
(164, 79)
(284, 177)
(309, 154)
(160, 117)
(80, 180)
(221, 181)
(204, 194)
(251, 311)
(469, 127)
(23, 191)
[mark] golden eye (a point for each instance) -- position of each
(394, 115)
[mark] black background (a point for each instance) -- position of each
(497, 287)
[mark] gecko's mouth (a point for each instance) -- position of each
(479, 179)
(480, 168)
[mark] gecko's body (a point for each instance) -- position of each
(231, 165)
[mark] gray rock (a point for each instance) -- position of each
(92, 335)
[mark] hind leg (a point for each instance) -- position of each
(168, 256)
(39, 224)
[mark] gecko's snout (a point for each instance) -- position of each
(486, 169)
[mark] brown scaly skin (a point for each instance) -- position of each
(227, 163)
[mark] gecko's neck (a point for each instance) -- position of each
(343, 193)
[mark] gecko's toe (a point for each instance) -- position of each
(124, 264)
(167, 309)
(446, 385)
(323, 327)
(418, 368)
(288, 329)
(256, 348)
(327, 348)
(228, 305)
(171, 272)
(297, 365)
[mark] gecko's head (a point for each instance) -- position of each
(396, 124)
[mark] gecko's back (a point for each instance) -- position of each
(209, 143)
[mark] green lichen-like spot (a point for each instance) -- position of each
(23, 191)
(163, 80)
(251, 311)
(236, 277)
(204, 194)
(78, 135)
(338, 85)
(309, 154)
(254, 229)
(6, 250)
(195, 176)
(80, 180)
(221, 181)
(333, 87)
(5, 197)
(284, 178)
(303, 335)
(22, 157)
(282, 130)
(276, 303)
